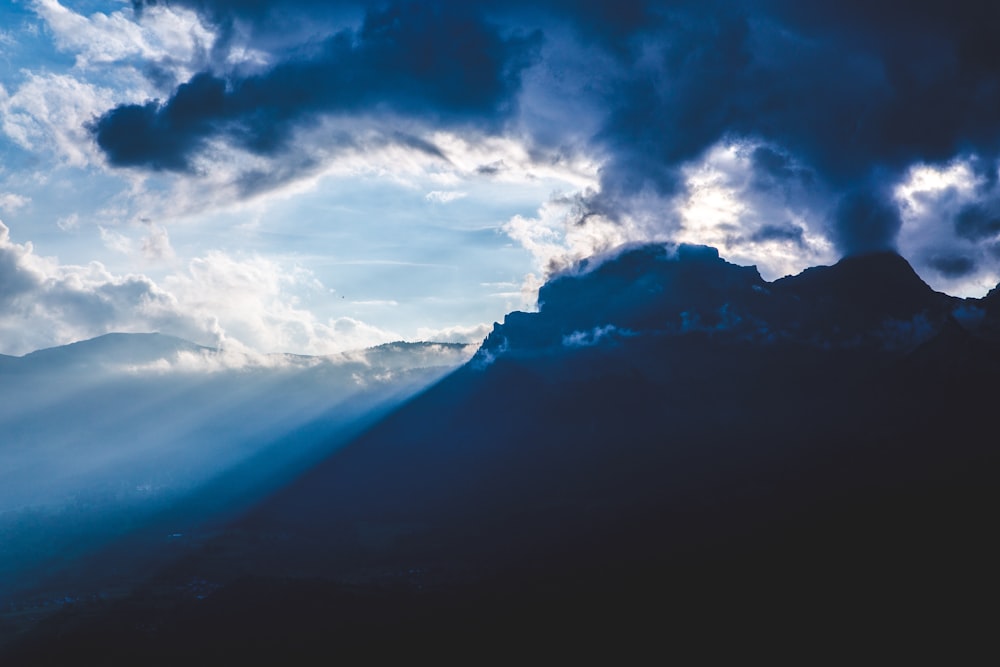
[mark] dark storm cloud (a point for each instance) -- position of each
(937, 89)
(952, 266)
(865, 222)
(852, 92)
(416, 60)
(775, 169)
(491, 169)
(976, 222)
(787, 232)
(608, 21)
(857, 92)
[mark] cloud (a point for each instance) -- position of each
(156, 244)
(247, 305)
(866, 222)
(592, 337)
(491, 169)
(557, 240)
(949, 228)
(952, 266)
(10, 202)
(444, 196)
(48, 112)
(978, 221)
(116, 241)
(757, 205)
(168, 41)
(786, 233)
(44, 303)
(857, 92)
(472, 335)
(253, 300)
(448, 66)
(68, 222)
(376, 303)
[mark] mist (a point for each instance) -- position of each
(131, 433)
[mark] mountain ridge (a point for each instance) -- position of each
(668, 290)
(143, 349)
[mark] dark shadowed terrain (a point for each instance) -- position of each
(672, 458)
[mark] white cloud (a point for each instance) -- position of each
(557, 239)
(592, 337)
(227, 177)
(444, 196)
(951, 227)
(49, 112)
(485, 357)
(116, 241)
(511, 160)
(347, 333)
(377, 303)
(155, 245)
(777, 222)
(244, 305)
(11, 202)
(255, 301)
(168, 36)
(925, 185)
(68, 222)
(456, 334)
(45, 303)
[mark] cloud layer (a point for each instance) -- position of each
(854, 94)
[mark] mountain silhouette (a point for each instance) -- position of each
(112, 348)
(672, 454)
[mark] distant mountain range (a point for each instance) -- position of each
(672, 455)
(144, 351)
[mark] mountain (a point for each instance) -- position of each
(875, 299)
(111, 349)
(139, 351)
(672, 458)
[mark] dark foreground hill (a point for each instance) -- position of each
(672, 458)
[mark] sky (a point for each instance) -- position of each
(314, 177)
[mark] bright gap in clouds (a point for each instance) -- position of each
(732, 201)
(360, 254)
